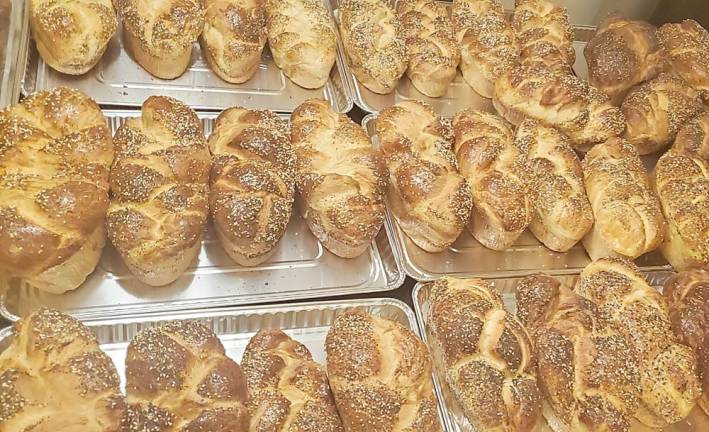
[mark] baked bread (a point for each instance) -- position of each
(687, 44)
(484, 354)
(252, 182)
(668, 370)
(561, 213)
(431, 45)
(545, 35)
(374, 43)
(621, 54)
(160, 34)
(288, 391)
(560, 100)
(55, 156)
(682, 184)
(70, 35)
(54, 377)
(427, 196)
(488, 45)
(628, 219)
(656, 110)
(160, 188)
(688, 296)
(587, 370)
(303, 40)
(380, 375)
(693, 137)
(179, 379)
(488, 159)
(341, 178)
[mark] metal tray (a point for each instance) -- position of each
(454, 418)
(467, 257)
(300, 268)
(118, 80)
(13, 37)
(459, 96)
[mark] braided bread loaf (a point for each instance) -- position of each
(687, 44)
(431, 45)
(72, 35)
(488, 45)
(668, 383)
(374, 43)
(693, 137)
(427, 196)
(587, 369)
(55, 154)
(159, 186)
(682, 184)
(655, 110)
(233, 38)
(485, 355)
(559, 100)
(488, 159)
(552, 172)
(341, 178)
(380, 375)
(628, 219)
(54, 377)
(545, 35)
(288, 391)
(252, 182)
(303, 40)
(160, 34)
(178, 379)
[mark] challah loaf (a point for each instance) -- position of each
(621, 54)
(160, 34)
(560, 100)
(288, 391)
(374, 43)
(484, 354)
(55, 156)
(628, 219)
(545, 35)
(682, 184)
(655, 110)
(551, 170)
(71, 36)
(687, 44)
(178, 379)
(668, 370)
(431, 45)
(160, 188)
(341, 178)
(380, 375)
(303, 40)
(54, 377)
(587, 370)
(693, 137)
(427, 196)
(488, 159)
(488, 45)
(252, 182)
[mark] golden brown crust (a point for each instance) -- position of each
(178, 379)
(380, 375)
(341, 178)
(693, 137)
(544, 34)
(686, 44)
(621, 54)
(288, 391)
(160, 186)
(54, 376)
(484, 354)
(430, 200)
(488, 159)
(252, 182)
(55, 154)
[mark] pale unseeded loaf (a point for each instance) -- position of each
(687, 44)
(545, 35)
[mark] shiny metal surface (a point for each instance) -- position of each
(14, 28)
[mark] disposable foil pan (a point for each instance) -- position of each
(300, 268)
(118, 80)
(13, 37)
